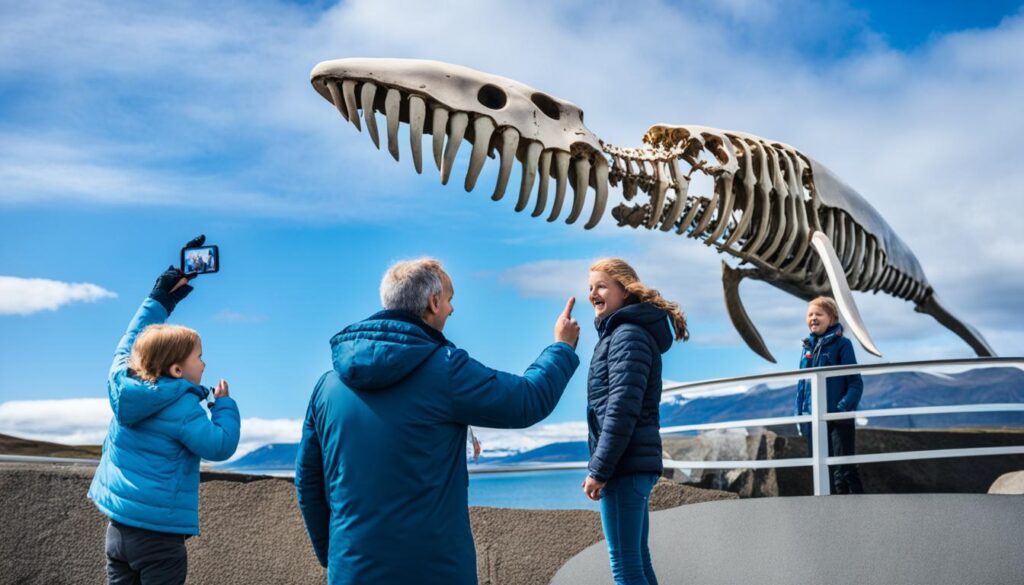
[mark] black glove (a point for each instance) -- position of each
(196, 241)
(162, 293)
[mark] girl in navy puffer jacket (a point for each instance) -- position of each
(623, 399)
(147, 481)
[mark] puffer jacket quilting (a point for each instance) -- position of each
(381, 474)
(624, 392)
(148, 475)
(830, 349)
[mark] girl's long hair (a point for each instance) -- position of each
(624, 274)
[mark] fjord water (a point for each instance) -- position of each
(544, 490)
(538, 490)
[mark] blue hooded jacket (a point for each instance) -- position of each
(148, 476)
(830, 349)
(381, 471)
(624, 392)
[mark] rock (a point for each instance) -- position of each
(1008, 483)
(760, 444)
(669, 494)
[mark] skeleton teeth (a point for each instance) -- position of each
(601, 186)
(391, 105)
(440, 122)
(561, 176)
(417, 114)
(457, 132)
(542, 187)
(348, 91)
(509, 143)
(483, 127)
(529, 174)
(579, 188)
(369, 91)
(339, 102)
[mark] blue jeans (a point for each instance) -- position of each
(624, 518)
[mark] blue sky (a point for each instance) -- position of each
(127, 129)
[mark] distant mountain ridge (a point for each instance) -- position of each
(272, 456)
(894, 390)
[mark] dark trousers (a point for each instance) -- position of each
(841, 435)
(142, 557)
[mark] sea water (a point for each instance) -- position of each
(544, 490)
(539, 490)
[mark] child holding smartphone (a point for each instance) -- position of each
(826, 346)
(147, 481)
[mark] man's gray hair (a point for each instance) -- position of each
(408, 284)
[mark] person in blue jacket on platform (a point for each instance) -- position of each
(147, 481)
(635, 326)
(826, 346)
(381, 471)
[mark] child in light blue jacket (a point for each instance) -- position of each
(147, 481)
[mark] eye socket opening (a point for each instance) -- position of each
(547, 105)
(492, 96)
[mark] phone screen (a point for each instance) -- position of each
(200, 260)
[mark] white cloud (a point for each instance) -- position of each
(257, 432)
(547, 278)
(24, 296)
(929, 136)
(84, 421)
(78, 421)
(498, 442)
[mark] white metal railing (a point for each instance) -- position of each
(819, 460)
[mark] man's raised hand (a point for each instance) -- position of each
(566, 328)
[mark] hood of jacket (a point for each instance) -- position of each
(381, 351)
(133, 399)
(831, 334)
(651, 318)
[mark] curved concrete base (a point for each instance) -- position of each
(929, 539)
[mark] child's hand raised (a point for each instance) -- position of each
(221, 390)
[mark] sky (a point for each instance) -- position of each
(126, 129)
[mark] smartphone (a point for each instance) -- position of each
(200, 260)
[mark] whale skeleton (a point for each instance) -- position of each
(785, 216)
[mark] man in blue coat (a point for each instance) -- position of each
(381, 470)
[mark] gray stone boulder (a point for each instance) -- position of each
(669, 494)
(1008, 483)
